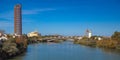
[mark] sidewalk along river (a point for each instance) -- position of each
(67, 51)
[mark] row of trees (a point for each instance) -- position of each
(116, 36)
(106, 42)
(112, 42)
(10, 48)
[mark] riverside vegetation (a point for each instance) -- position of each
(10, 48)
(43, 39)
(112, 42)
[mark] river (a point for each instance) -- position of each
(67, 51)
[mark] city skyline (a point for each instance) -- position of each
(63, 17)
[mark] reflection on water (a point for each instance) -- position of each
(67, 51)
(111, 51)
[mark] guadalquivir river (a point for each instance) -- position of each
(67, 51)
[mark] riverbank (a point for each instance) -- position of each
(67, 51)
(11, 49)
(111, 44)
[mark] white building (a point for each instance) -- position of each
(0, 34)
(88, 33)
(33, 34)
(3, 36)
(79, 38)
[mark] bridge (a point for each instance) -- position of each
(55, 39)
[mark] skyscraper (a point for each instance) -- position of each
(18, 23)
(17, 20)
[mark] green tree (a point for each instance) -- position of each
(116, 36)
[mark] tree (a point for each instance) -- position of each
(116, 36)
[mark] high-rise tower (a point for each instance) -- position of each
(18, 23)
(17, 20)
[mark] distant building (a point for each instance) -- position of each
(88, 33)
(0, 34)
(3, 37)
(79, 38)
(99, 38)
(33, 34)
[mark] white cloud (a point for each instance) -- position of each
(10, 14)
(6, 24)
(7, 15)
(26, 21)
(36, 11)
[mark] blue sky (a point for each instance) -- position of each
(65, 17)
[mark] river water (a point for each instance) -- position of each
(67, 51)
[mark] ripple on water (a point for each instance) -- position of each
(67, 51)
